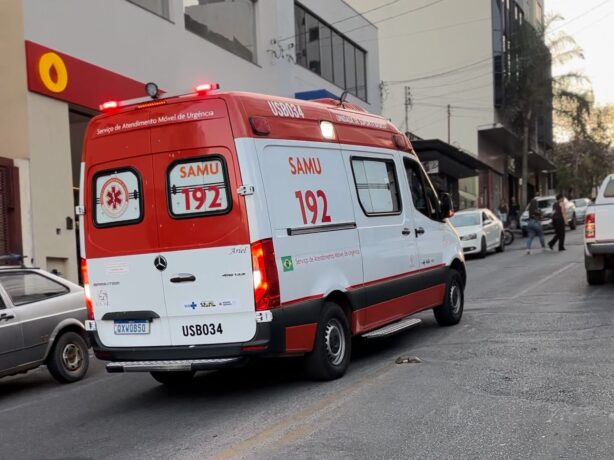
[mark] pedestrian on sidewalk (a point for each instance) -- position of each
(503, 213)
(534, 225)
(513, 215)
(559, 218)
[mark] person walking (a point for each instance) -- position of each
(559, 218)
(503, 213)
(534, 225)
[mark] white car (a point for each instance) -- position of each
(545, 204)
(480, 231)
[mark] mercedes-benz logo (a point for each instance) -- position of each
(160, 263)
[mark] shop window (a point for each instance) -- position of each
(230, 24)
(159, 7)
(376, 184)
(326, 52)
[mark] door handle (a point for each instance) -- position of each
(183, 278)
(406, 231)
(6, 316)
(419, 231)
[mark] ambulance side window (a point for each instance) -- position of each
(377, 186)
(117, 198)
(422, 193)
(198, 187)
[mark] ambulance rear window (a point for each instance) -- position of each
(117, 198)
(198, 187)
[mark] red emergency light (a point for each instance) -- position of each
(206, 87)
(109, 105)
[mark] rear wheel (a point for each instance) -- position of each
(595, 277)
(508, 237)
(573, 223)
(451, 311)
(172, 377)
(501, 246)
(330, 357)
(69, 359)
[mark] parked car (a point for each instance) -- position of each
(41, 322)
(582, 205)
(545, 204)
(480, 231)
(599, 234)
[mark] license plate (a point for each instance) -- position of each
(123, 327)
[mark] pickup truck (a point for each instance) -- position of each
(599, 234)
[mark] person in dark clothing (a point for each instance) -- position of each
(534, 226)
(559, 218)
(513, 215)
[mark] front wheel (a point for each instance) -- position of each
(69, 359)
(483, 249)
(330, 357)
(172, 377)
(451, 311)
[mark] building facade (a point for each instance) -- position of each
(62, 59)
(441, 71)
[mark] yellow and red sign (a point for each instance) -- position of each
(69, 79)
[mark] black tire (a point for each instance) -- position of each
(451, 311)
(332, 349)
(68, 360)
(501, 246)
(573, 223)
(595, 277)
(508, 237)
(483, 249)
(173, 377)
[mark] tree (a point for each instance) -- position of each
(530, 88)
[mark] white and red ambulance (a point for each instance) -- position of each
(216, 227)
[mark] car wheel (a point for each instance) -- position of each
(451, 311)
(573, 223)
(332, 349)
(501, 246)
(69, 358)
(483, 249)
(173, 377)
(595, 277)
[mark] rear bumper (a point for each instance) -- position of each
(274, 338)
(601, 248)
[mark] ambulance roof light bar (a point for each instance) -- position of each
(204, 88)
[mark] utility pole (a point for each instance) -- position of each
(407, 107)
(449, 120)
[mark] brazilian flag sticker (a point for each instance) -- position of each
(287, 263)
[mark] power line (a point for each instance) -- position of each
(443, 73)
(455, 82)
(590, 10)
(593, 23)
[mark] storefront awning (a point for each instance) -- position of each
(447, 159)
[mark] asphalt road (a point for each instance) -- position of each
(528, 373)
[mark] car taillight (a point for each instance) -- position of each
(589, 226)
(86, 287)
(266, 281)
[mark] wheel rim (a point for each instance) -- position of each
(334, 337)
(72, 357)
(455, 298)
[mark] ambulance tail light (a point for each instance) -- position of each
(86, 286)
(260, 126)
(266, 280)
(206, 87)
(109, 106)
(589, 226)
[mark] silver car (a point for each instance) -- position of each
(581, 207)
(41, 322)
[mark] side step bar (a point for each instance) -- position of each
(173, 365)
(392, 328)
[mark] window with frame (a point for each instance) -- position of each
(230, 24)
(423, 195)
(117, 198)
(198, 187)
(609, 190)
(323, 50)
(158, 7)
(29, 287)
(377, 186)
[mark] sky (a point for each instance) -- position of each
(591, 23)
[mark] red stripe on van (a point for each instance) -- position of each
(390, 278)
(377, 315)
(302, 299)
(300, 338)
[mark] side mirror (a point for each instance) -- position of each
(447, 207)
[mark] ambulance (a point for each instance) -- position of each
(218, 227)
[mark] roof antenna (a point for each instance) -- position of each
(343, 97)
